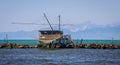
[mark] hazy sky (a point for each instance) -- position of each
(97, 12)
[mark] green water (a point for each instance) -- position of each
(98, 41)
(27, 42)
(34, 42)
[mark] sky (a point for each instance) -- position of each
(100, 16)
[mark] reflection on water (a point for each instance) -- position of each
(59, 57)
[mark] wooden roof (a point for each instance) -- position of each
(50, 32)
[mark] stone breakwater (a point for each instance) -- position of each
(87, 46)
(15, 46)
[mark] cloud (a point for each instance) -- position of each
(83, 27)
(74, 30)
(78, 27)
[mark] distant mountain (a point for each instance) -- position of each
(96, 32)
(89, 32)
(19, 34)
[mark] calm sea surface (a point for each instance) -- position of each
(59, 56)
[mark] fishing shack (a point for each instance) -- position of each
(48, 36)
(53, 36)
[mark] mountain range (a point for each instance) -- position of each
(90, 31)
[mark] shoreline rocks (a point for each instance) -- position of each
(86, 46)
(9, 45)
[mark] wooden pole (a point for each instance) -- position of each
(59, 22)
(48, 21)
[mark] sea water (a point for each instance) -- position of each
(27, 42)
(59, 56)
(36, 56)
(35, 42)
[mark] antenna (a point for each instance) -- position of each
(112, 39)
(48, 21)
(59, 22)
(6, 38)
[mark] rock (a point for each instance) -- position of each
(77, 45)
(26, 46)
(111, 46)
(53, 45)
(58, 45)
(69, 46)
(98, 46)
(8, 45)
(81, 45)
(0, 46)
(39, 46)
(47, 46)
(117, 46)
(21, 46)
